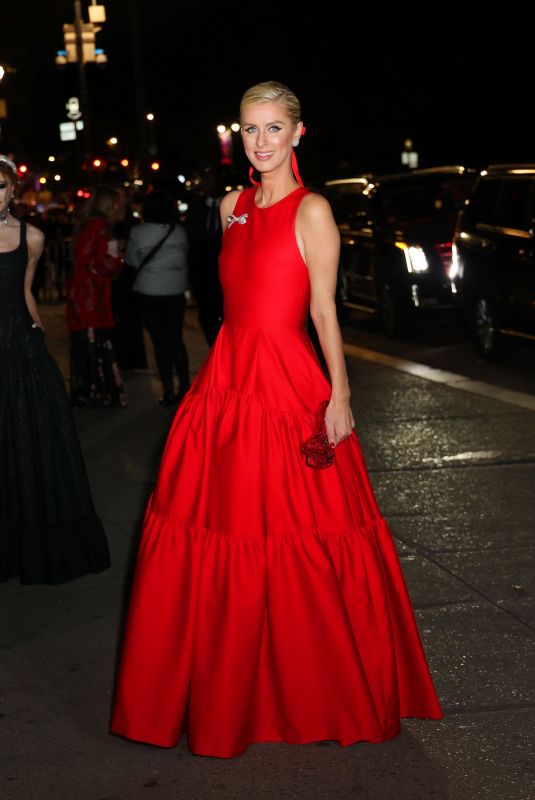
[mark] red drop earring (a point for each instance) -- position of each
(251, 173)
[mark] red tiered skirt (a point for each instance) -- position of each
(268, 601)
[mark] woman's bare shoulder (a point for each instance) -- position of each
(314, 209)
(34, 236)
(315, 204)
(228, 202)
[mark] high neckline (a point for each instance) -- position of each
(276, 203)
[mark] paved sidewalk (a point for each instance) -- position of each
(454, 474)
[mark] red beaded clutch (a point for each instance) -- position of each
(317, 450)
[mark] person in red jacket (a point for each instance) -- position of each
(96, 379)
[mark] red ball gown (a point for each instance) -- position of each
(268, 602)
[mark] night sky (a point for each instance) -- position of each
(366, 80)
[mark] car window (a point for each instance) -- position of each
(483, 205)
(515, 204)
(425, 201)
(349, 204)
(400, 204)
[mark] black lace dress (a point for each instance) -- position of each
(49, 530)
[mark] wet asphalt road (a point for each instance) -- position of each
(442, 342)
(454, 474)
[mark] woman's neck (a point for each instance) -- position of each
(274, 188)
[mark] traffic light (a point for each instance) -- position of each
(70, 52)
(155, 166)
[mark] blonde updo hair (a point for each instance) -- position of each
(272, 91)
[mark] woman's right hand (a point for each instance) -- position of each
(339, 421)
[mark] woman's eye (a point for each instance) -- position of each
(3, 185)
(271, 129)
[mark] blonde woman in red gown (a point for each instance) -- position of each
(268, 602)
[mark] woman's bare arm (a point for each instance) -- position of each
(227, 206)
(319, 241)
(36, 242)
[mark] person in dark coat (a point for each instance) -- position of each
(129, 341)
(204, 232)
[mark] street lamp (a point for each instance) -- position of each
(153, 147)
(409, 157)
(80, 48)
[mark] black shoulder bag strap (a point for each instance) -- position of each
(155, 249)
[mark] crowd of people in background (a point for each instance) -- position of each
(121, 264)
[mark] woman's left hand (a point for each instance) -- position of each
(339, 421)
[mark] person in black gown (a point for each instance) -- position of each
(49, 529)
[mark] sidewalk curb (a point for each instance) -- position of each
(451, 379)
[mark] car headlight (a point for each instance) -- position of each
(455, 268)
(415, 258)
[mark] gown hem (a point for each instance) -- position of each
(341, 741)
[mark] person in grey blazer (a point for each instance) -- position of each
(158, 250)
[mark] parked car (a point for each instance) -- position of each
(396, 233)
(493, 268)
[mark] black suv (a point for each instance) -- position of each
(493, 268)
(396, 233)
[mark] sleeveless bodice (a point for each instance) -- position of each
(12, 271)
(17, 336)
(264, 277)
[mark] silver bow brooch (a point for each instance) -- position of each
(240, 220)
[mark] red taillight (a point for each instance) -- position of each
(443, 250)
